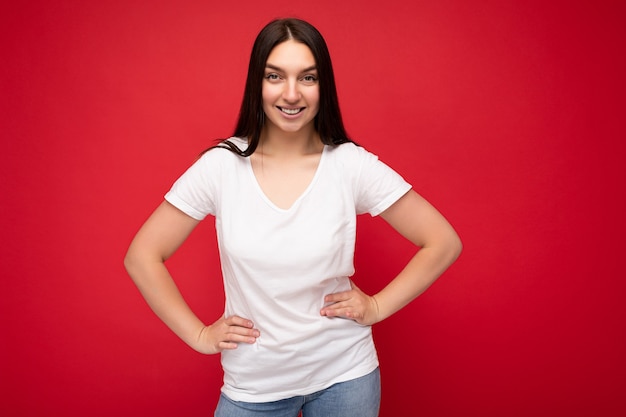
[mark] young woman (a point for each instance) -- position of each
(285, 191)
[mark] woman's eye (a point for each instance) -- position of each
(272, 77)
(309, 78)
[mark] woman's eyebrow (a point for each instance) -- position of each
(277, 68)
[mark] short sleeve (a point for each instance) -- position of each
(377, 185)
(194, 192)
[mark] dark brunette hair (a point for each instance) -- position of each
(328, 121)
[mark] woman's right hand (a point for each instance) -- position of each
(159, 237)
(225, 334)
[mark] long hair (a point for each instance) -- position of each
(328, 122)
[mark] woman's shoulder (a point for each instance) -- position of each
(350, 152)
(218, 160)
(240, 143)
(225, 149)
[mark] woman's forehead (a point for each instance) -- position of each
(291, 54)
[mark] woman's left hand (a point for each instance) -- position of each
(353, 304)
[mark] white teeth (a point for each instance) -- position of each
(290, 111)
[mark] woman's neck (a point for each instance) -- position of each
(275, 142)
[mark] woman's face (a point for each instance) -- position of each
(291, 88)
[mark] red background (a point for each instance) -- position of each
(508, 116)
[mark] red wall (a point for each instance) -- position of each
(508, 116)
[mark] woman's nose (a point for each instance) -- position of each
(291, 93)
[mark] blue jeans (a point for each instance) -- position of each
(359, 397)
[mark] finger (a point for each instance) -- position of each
(338, 297)
(239, 321)
(344, 312)
(337, 309)
(227, 345)
(240, 338)
(238, 331)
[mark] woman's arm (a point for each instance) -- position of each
(418, 221)
(160, 236)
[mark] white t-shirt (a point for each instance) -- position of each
(278, 264)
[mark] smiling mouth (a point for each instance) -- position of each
(291, 112)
